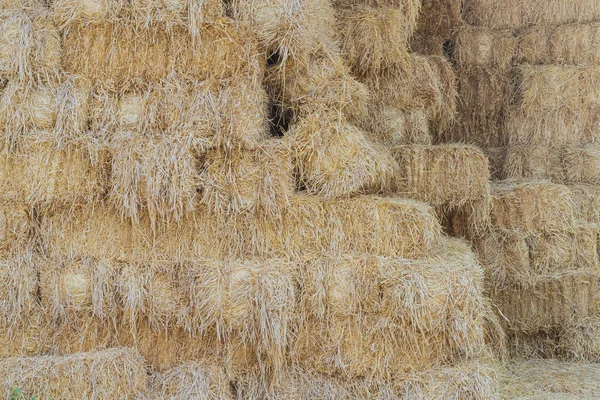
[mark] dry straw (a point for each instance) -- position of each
(521, 13)
(553, 301)
(392, 127)
(551, 379)
(587, 202)
(411, 9)
(116, 373)
(449, 175)
(373, 39)
(335, 159)
(117, 55)
(18, 288)
(532, 206)
(30, 45)
(16, 226)
(204, 379)
(485, 48)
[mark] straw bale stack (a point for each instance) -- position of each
(30, 45)
(551, 379)
(438, 22)
(118, 373)
(517, 14)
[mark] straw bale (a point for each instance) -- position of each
(30, 45)
(558, 87)
(551, 379)
(190, 13)
(61, 107)
(505, 256)
(209, 113)
(429, 45)
(155, 174)
(520, 13)
(410, 8)
(335, 159)
(44, 170)
(245, 180)
(77, 287)
(18, 287)
(561, 127)
(569, 250)
(587, 202)
(115, 373)
(580, 342)
(582, 165)
(534, 162)
(392, 127)
(291, 30)
(373, 39)
(484, 92)
(452, 175)
(485, 48)
(551, 301)
(27, 337)
(532, 206)
(204, 379)
(426, 82)
(439, 18)
(322, 84)
(117, 55)
(15, 226)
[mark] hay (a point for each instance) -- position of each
(15, 226)
(551, 379)
(190, 13)
(439, 19)
(475, 86)
(118, 55)
(484, 48)
(391, 127)
(373, 39)
(335, 159)
(551, 301)
(533, 162)
(117, 373)
(155, 174)
(574, 44)
(582, 165)
(44, 171)
(262, 178)
(323, 84)
(587, 202)
(290, 30)
(449, 175)
(30, 45)
(580, 342)
(204, 379)
(18, 288)
(29, 336)
(410, 8)
(517, 14)
(532, 206)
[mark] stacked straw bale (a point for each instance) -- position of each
(207, 199)
(527, 82)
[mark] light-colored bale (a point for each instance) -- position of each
(484, 48)
(72, 288)
(570, 250)
(536, 206)
(552, 301)
(30, 45)
(291, 30)
(60, 107)
(410, 8)
(556, 87)
(335, 159)
(521, 13)
(451, 175)
(204, 379)
(426, 82)
(439, 18)
(46, 169)
(15, 226)
(247, 180)
(210, 113)
(551, 379)
(534, 162)
(471, 126)
(580, 342)
(582, 165)
(485, 92)
(505, 256)
(432, 45)
(190, 13)
(320, 85)
(373, 38)
(573, 44)
(118, 55)
(27, 337)
(392, 127)
(18, 287)
(156, 174)
(117, 373)
(562, 127)
(587, 202)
